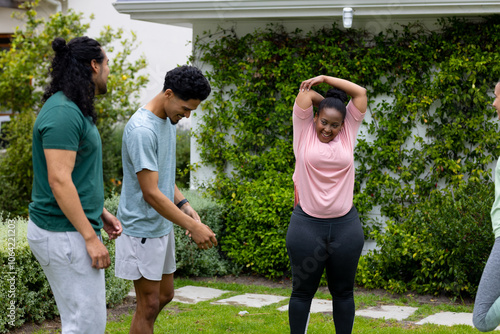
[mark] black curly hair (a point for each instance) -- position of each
(187, 82)
(71, 72)
(334, 98)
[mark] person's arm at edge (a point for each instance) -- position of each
(201, 234)
(60, 164)
(111, 224)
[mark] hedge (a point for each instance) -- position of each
(192, 261)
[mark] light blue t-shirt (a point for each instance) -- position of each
(148, 143)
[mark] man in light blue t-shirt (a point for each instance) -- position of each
(150, 201)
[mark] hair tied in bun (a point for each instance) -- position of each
(336, 94)
(59, 45)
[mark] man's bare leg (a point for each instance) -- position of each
(166, 290)
(148, 305)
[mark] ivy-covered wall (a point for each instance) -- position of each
(430, 124)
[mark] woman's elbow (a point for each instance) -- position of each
(362, 92)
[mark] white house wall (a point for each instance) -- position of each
(9, 24)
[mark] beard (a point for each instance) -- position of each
(102, 88)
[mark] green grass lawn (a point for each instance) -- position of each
(206, 318)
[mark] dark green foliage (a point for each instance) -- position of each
(16, 185)
(112, 160)
(256, 224)
(430, 124)
(441, 246)
(183, 157)
(192, 261)
(439, 129)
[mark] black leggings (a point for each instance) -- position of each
(314, 244)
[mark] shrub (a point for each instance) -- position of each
(112, 161)
(192, 261)
(16, 187)
(441, 247)
(256, 223)
(24, 283)
(183, 157)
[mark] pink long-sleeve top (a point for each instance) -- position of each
(324, 172)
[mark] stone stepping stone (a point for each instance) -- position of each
(193, 294)
(250, 300)
(387, 311)
(448, 319)
(317, 306)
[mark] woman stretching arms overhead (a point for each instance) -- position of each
(324, 230)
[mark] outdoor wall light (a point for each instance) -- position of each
(347, 15)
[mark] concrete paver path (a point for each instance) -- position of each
(195, 294)
(387, 311)
(250, 300)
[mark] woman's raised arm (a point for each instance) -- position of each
(357, 92)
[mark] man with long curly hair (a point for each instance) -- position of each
(150, 201)
(67, 210)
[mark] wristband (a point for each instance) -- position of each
(182, 202)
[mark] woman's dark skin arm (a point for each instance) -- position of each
(355, 91)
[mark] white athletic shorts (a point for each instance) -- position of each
(79, 289)
(144, 257)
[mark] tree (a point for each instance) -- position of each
(23, 76)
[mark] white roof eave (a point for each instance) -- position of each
(190, 11)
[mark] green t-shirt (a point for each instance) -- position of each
(61, 125)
